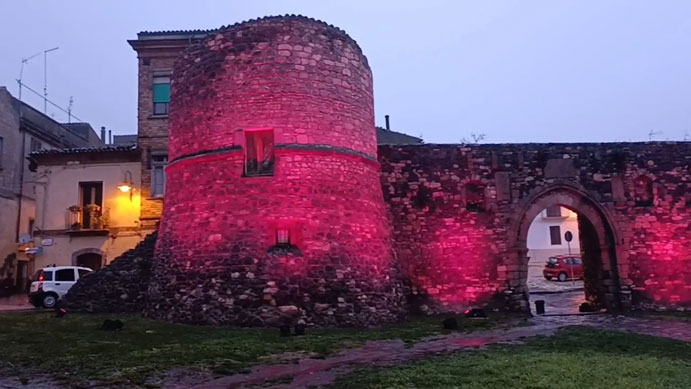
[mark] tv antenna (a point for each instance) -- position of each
(21, 72)
(69, 110)
(45, 77)
(652, 133)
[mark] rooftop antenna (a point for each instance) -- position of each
(652, 133)
(69, 110)
(21, 72)
(45, 77)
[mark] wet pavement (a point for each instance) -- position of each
(18, 302)
(308, 372)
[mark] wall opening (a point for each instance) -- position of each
(93, 261)
(565, 274)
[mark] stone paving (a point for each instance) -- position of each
(17, 302)
(310, 372)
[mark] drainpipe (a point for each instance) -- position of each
(21, 186)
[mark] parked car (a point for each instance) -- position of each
(563, 267)
(50, 284)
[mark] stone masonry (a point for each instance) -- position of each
(120, 286)
(307, 87)
(460, 216)
(336, 225)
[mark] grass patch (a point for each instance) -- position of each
(74, 351)
(577, 357)
(679, 316)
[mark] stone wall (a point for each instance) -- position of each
(120, 286)
(218, 258)
(460, 215)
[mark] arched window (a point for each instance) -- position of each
(643, 191)
(475, 197)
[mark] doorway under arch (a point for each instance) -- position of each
(598, 245)
(91, 258)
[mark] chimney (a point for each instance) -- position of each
(103, 134)
(388, 128)
(110, 137)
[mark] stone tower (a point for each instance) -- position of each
(273, 207)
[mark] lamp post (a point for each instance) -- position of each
(127, 186)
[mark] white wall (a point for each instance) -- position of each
(539, 236)
(61, 191)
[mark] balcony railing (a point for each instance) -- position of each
(88, 217)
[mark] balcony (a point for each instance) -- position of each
(89, 220)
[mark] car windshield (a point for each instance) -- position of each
(552, 262)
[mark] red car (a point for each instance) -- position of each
(563, 267)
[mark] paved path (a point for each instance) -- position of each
(316, 372)
(15, 303)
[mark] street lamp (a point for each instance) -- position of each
(127, 186)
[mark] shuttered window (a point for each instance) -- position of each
(555, 235)
(161, 95)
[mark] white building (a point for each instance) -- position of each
(87, 205)
(546, 234)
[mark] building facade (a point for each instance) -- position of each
(87, 205)
(546, 234)
(23, 130)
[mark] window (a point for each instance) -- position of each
(91, 203)
(31, 226)
(64, 275)
(259, 153)
(282, 237)
(555, 235)
(35, 145)
(158, 174)
(554, 211)
(643, 191)
(42, 275)
(1, 150)
(475, 197)
(161, 95)
(82, 272)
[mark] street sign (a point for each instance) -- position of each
(568, 236)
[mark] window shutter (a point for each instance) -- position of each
(161, 93)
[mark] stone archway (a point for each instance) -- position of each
(91, 257)
(600, 246)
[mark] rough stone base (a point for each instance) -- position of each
(118, 287)
(253, 295)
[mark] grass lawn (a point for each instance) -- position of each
(577, 357)
(75, 351)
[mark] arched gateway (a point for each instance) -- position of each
(599, 241)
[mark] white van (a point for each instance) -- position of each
(52, 283)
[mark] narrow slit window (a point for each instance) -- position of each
(282, 237)
(643, 191)
(259, 153)
(475, 197)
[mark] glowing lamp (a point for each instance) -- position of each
(126, 186)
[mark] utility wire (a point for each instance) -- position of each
(51, 103)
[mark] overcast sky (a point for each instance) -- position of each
(517, 71)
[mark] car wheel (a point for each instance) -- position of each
(49, 300)
(548, 278)
(562, 277)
